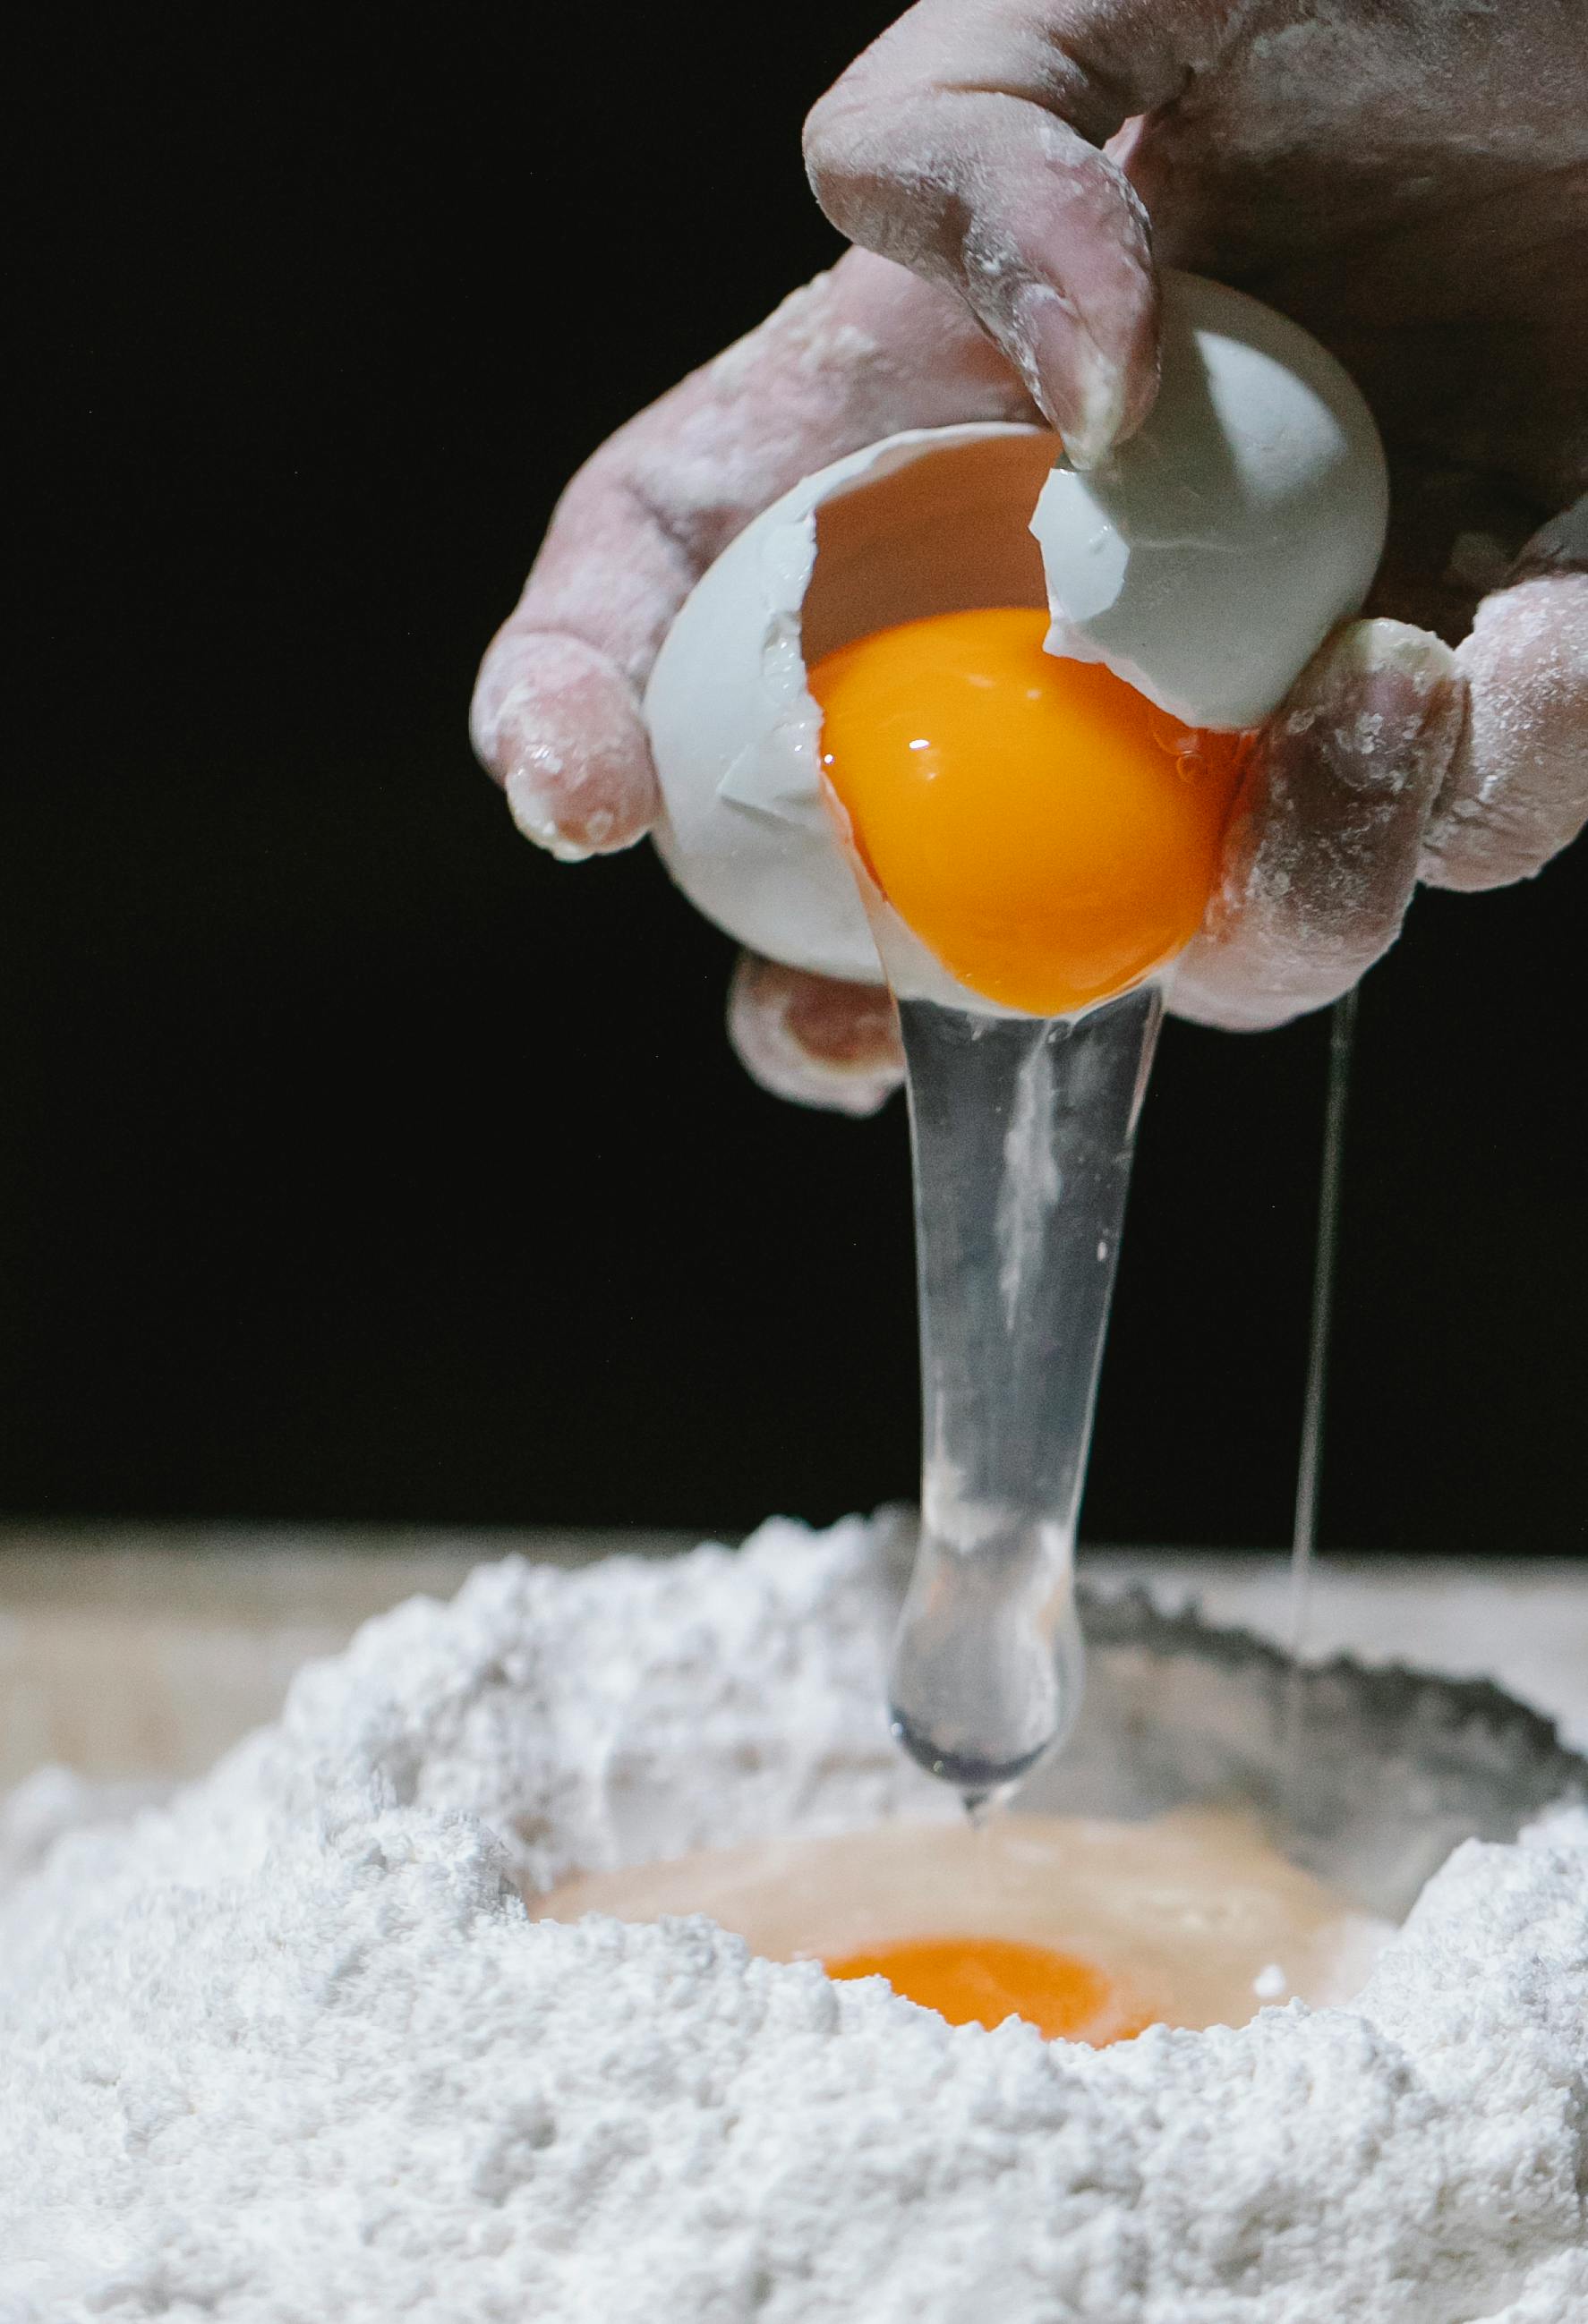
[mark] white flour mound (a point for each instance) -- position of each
(290, 2050)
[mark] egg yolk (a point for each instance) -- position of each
(1046, 830)
(983, 1980)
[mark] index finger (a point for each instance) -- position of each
(968, 144)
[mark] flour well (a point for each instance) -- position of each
(1180, 1917)
(290, 2048)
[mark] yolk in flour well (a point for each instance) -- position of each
(983, 1980)
(1091, 1929)
(1046, 830)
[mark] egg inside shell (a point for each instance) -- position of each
(1201, 567)
(1048, 835)
(930, 522)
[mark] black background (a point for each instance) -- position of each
(357, 1162)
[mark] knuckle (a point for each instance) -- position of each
(1517, 787)
(856, 158)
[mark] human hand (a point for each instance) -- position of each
(1412, 187)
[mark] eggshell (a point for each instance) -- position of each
(928, 522)
(1210, 557)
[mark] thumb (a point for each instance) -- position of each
(964, 143)
(1321, 856)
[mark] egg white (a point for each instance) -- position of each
(1195, 1917)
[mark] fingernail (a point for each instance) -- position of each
(1070, 378)
(561, 732)
(1560, 546)
(857, 1066)
(531, 786)
(1386, 698)
(1381, 648)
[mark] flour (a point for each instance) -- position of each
(289, 2050)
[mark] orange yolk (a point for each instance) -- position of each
(1047, 831)
(983, 1980)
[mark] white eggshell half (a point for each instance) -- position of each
(932, 521)
(1209, 559)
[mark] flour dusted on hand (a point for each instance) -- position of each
(290, 2048)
